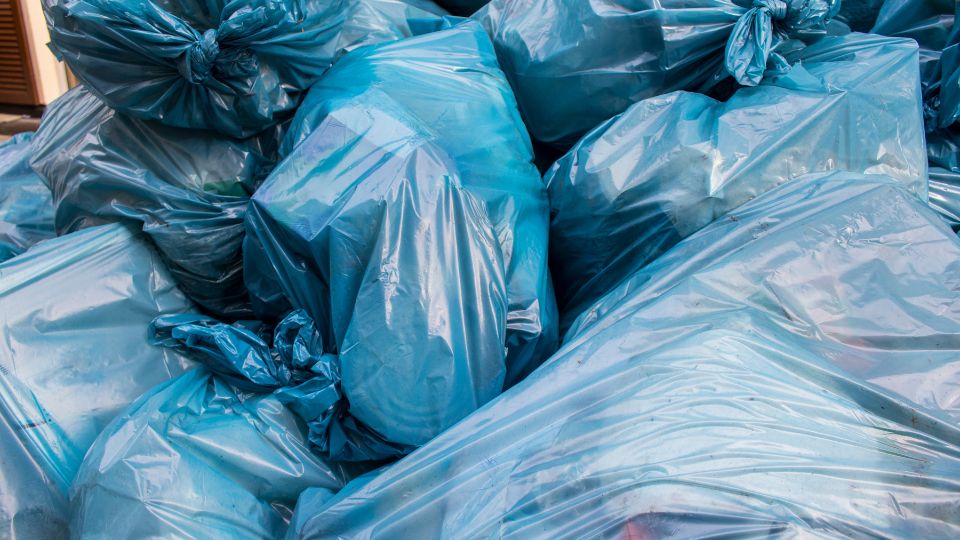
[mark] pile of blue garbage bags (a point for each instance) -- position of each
(461, 269)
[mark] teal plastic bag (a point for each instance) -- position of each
(377, 21)
(73, 315)
(789, 371)
(641, 182)
(434, 107)
(237, 67)
(195, 458)
(26, 208)
(574, 65)
(187, 189)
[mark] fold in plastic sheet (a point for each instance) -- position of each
(859, 15)
(73, 315)
(377, 21)
(639, 183)
(576, 64)
(26, 208)
(432, 106)
(188, 188)
(943, 151)
(237, 67)
(931, 24)
(194, 458)
(788, 371)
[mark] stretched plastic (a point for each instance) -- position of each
(639, 183)
(423, 124)
(195, 458)
(188, 189)
(73, 315)
(26, 207)
(377, 21)
(237, 67)
(787, 372)
(574, 65)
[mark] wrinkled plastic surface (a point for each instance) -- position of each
(943, 151)
(369, 225)
(427, 124)
(26, 208)
(194, 458)
(639, 183)
(188, 188)
(576, 64)
(73, 316)
(396, 402)
(233, 66)
(376, 21)
(788, 371)
(931, 24)
(860, 15)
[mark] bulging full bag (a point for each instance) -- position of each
(789, 371)
(188, 189)
(26, 209)
(574, 64)
(74, 312)
(409, 224)
(642, 181)
(233, 66)
(434, 106)
(196, 458)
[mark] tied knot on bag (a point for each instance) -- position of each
(777, 8)
(755, 33)
(197, 63)
(296, 370)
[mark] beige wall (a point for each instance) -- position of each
(51, 74)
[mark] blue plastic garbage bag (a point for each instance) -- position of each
(73, 317)
(787, 372)
(368, 227)
(639, 183)
(429, 118)
(376, 21)
(233, 66)
(188, 188)
(26, 209)
(576, 64)
(195, 458)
